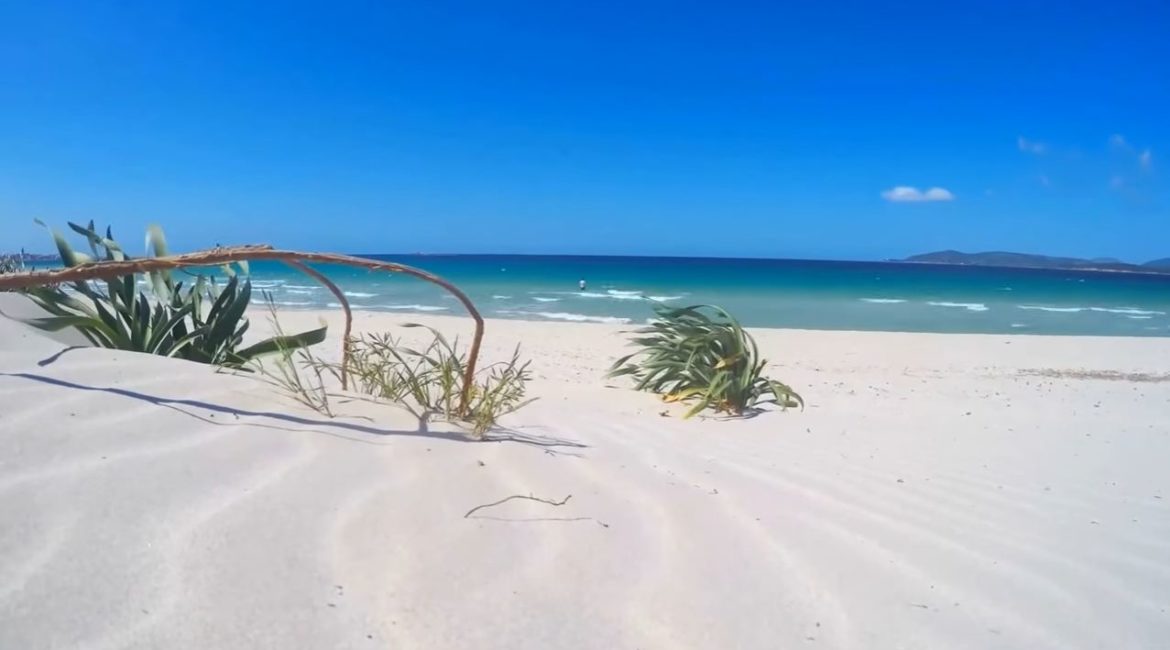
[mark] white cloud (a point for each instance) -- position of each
(1045, 181)
(1117, 141)
(1146, 159)
(1117, 182)
(1031, 146)
(907, 194)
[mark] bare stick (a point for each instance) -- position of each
(519, 496)
(219, 256)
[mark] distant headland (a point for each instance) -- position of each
(1029, 261)
(30, 257)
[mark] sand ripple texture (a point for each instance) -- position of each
(922, 500)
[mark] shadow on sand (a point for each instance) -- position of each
(325, 426)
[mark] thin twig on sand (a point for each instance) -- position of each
(519, 496)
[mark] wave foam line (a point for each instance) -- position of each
(566, 316)
(1129, 311)
(610, 294)
(1060, 310)
(409, 307)
(581, 318)
(969, 306)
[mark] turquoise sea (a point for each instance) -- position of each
(765, 293)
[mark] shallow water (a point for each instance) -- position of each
(764, 293)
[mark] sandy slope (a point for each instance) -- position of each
(930, 496)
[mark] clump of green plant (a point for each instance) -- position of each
(202, 322)
(294, 370)
(701, 353)
(9, 264)
(431, 380)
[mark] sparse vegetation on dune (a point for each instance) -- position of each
(206, 323)
(430, 380)
(294, 370)
(117, 267)
(701, 354)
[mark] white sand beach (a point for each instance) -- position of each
(939, 491)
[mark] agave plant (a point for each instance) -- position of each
(701, 353)
(9, 264)
(171, 323)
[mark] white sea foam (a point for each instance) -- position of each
(299, 291)
(628, 295)
(498, 297)
(1017, 325)
(288, 303)
(1127, 311)
(410, 307)
(884, 301)
(267, 284)
(1061, 310)
(303, 287)
(969, 306)
(359, 294)
(1130, 311)
(543, 299)
(581, 318)
(612, 294)
(1140, 317)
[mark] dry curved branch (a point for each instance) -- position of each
(340, 295)
(297, 259)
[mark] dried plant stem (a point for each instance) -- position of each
(225, 255)
(340, 295)
(519, 496)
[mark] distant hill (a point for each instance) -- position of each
(1025, 260)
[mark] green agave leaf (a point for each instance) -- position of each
(91, 237)
(286, 342)
(68, 256)
(156, 246)
(95, 329)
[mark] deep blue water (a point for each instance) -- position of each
(766, 293)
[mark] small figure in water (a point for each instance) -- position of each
(581, 284)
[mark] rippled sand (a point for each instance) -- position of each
(942, 491)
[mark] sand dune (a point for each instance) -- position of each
(937, 492)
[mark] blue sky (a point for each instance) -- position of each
(755, 129)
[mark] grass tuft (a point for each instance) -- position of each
(429, 381)
(293, 369)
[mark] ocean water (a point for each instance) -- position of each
(764, 293)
